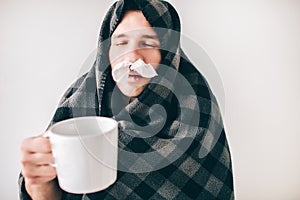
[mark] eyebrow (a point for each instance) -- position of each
(150, 37)
(118, 36)
(155, 37)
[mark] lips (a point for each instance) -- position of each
(137, 76)
(134, 77)
(134, 73)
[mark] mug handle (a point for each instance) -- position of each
(47, 134)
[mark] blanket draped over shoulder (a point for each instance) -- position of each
(172, 143)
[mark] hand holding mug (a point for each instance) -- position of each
(36, 156)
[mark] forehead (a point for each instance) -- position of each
(134, 23)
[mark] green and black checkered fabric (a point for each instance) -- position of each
(172, 143)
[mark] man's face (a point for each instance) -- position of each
(134, 39)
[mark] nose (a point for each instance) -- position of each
(133, 55)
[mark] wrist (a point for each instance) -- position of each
(47, 190)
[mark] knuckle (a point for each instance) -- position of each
(31, 180)
(26, 174)
(24, 161)
(24, 144)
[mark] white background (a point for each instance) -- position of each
(254, 45)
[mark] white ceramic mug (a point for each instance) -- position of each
(85, 151)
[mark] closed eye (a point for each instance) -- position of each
(149, 45)
(120, 43)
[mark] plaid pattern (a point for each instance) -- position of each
(177, 115)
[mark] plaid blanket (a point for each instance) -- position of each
(172, 143)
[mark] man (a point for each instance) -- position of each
(198, 166)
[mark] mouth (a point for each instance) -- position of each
(134, 74)
(134, 78)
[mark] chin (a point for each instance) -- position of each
(131, 91)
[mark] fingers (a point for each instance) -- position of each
(36, 151)
(37, 158)
(38, 174)
(38, 179)
(38, 170)
(36, 144)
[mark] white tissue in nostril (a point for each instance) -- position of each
(121, 71)
(145, 70)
